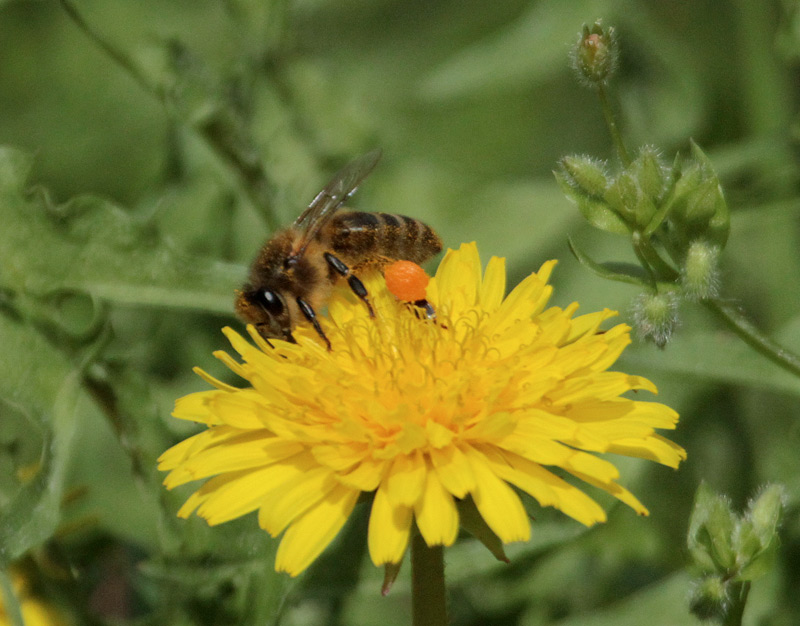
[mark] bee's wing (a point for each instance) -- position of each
(332, 196)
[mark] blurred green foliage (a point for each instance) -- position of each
(134, 191)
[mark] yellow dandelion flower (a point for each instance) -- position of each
(480, 403)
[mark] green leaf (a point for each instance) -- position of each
(665, 599)
(90, 245)
(38, 384)
(527, 52)
(621, 272)
(512, 202)
(714, 355)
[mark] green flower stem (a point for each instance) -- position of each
(8, 599)
(650, 259)
(428, 593)
(236, 153)
(753, 337)
(611, 122)
(738, 600)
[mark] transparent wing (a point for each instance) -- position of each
(332, 196)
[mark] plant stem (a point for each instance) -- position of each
(738, 600)
(611, 122)
(428, 593)
(222, 134)
(753, 337)
(651, 260)
(8, 599)
(118, 56)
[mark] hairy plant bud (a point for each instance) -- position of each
(595, 54)
(700, 272)
(655, 316)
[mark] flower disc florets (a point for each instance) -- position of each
(422, 413)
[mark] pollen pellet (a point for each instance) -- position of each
(406, 280)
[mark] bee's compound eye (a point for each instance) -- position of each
(270, 301)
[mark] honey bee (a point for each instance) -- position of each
(294, 273)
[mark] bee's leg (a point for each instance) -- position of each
(430, 312)
(355, 283)
(305, 307)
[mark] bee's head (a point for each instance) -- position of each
(266, 309)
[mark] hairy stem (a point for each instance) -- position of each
(613, 128)
(738, 600)
(752, 336)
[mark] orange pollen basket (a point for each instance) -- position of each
(406, 281)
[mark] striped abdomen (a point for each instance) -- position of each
(361, 236)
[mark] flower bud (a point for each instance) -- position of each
(765, 513)
(624, 195)
(584, 181)
(700, 273)
(655, 316)
(585, 174)
(696, 205)
(757, 539)
(595, 54)
(711, 529)
(709, 598)
(651, 173)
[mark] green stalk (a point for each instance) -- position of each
(753, 337)
(119, 57)
(611, 122)
(428, 592)
(650, 259)
(237, 153)
(738, 600)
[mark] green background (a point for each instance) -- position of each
(135, 190)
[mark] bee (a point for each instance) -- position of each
(294, 273)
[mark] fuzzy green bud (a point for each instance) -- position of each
(696, 205)
(711, 528)
(757, 540)
(586, 174)
(655, 316)
(584, 181)
(765, 513)
(700, 272)
(595, 54)
(651, 173)
(709, 598)
(624, 194)
(637, 191)
(730, 550)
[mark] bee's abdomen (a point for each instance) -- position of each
(359, 235)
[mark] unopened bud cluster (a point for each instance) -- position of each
(676, 217)
(729, 549)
